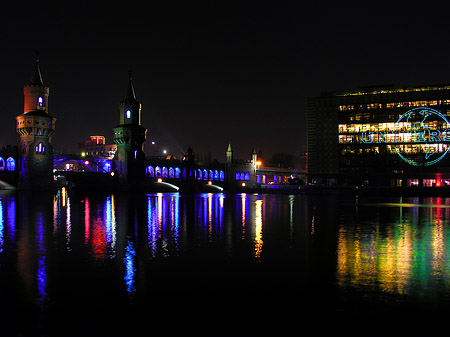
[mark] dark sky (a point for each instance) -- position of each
(211, 72)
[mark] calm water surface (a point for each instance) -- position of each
(94, 264)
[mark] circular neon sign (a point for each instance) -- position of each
(425, 134)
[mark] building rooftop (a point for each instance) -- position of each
(385, 89)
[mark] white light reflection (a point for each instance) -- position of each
(68, 225)
(163, 224)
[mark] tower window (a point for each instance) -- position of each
(40, 102)
(128, 113)
(40, 148)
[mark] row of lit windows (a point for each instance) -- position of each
(242, 175)
(418, 148)
(402, 148)
(388, 127)
(29, 121)
(394, 137)
(163, 172)
(372, 106)
(390, 91)
(10, 164)
(209, 175)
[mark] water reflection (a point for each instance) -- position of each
(100, 227)
(163, 214)
(397, 248)
(104, 246)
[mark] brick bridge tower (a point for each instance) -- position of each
(130, 137)
(35, 128)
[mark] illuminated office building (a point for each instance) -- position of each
(380, 136)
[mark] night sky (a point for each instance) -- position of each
(211, 72)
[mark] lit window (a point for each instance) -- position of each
(177, 172)
(10, 164)
(40, 148)
(151, 171)
(40, 102)
(2, 164)
(128, 113)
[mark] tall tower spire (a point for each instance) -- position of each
(36, 77)
(35, 128)
(229, 154)
(131, 96)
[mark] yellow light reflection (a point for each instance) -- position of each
(258, 228)
(398, 257)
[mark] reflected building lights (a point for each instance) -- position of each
(11, 218)
(41, 276)
(163, 224)
(258, 228)
(130, 269)
(396, 259)
(86, 221)
(68, 225)
(2, 226)
(243, 210)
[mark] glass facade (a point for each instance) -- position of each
(380, 136)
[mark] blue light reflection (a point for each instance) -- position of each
(163, 213)
(130, 269)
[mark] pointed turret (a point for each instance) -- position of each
(36, 77)
(131, 95)
(229, 154)
(36, 93)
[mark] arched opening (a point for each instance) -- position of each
(216, 175)
(158, 172)
(238, 175)
(222, 175)
(10, 164)
(151, 171)
(247, 176)
(171, 172)
(177, 172)
(2, 164)
(205, 174)
(165, 172)
(199, 174)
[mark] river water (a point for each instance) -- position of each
(108, 264)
